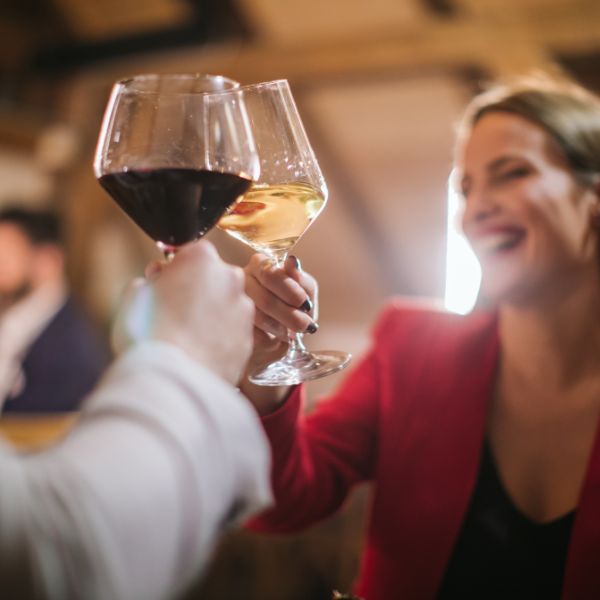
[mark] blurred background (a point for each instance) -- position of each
(379, 85)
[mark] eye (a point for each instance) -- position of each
(514, 173)
(462, 187)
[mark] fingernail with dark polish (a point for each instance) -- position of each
(297, 262)
(306, 306)
(312, 328)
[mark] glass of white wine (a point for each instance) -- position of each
(278, 208)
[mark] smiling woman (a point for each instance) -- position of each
(529, 176)
(526, 215)
(480, 432)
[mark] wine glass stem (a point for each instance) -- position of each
(168, 252)
(296, 347)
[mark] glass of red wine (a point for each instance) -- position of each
(174, 152)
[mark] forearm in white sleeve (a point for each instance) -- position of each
(129, 505)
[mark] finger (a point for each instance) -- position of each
(237, 279)
(197, 253)
(265, 341)
(293, 268)
(272, 306)
(255, 263)
(247, 309)
(269, 325)
(271, 349)
(202, 247)
(277, 281)
(153, 269)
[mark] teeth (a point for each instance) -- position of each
(498, 241)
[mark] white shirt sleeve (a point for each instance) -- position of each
(129, 505)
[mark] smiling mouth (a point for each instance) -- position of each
(499, 242)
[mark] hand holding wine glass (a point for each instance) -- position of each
(175, 153)
(276, 211)
(286, 300)
(199, 305)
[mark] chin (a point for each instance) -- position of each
(497, 289)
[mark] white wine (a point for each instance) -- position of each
(271, 218)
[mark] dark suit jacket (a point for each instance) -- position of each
(61, 366)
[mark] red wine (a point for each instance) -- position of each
(174, 206)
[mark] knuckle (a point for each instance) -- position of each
(238, 278)
(267, 271)
(153, 269)
(257, 261)
(265, 300)
(261, 320)
(207, 247)
(248, 308)
(297, 296)
(310, 285)
(251, 289)
(299, 321)
(205, 250)
(269, 302)
(274, 328)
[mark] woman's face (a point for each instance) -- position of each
(526, 216)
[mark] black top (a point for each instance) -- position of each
(502, 554)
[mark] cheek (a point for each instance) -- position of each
(559, 231)
(546, 209)
(567, 214)
(463, 220)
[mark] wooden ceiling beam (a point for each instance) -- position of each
(476, 37)
(16, 43)
(111, 18)
(473, 40)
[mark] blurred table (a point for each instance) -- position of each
(31, 432)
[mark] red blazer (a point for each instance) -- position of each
(411, 418)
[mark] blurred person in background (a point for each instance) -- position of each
(166, 453)
(50, 354)
(479, 432)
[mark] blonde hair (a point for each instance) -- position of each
(569, 113)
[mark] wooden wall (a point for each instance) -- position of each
(379, 89)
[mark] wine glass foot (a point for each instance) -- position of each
(309, 366)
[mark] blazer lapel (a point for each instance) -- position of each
(449, 382)
(462, 394)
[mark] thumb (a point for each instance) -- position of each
(153, 269)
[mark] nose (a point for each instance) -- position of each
(479, 206)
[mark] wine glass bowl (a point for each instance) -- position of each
(271, 219)
(278, 209)
(174, 152)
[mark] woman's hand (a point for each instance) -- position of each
(285, 299)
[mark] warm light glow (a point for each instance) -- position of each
(463, 273)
